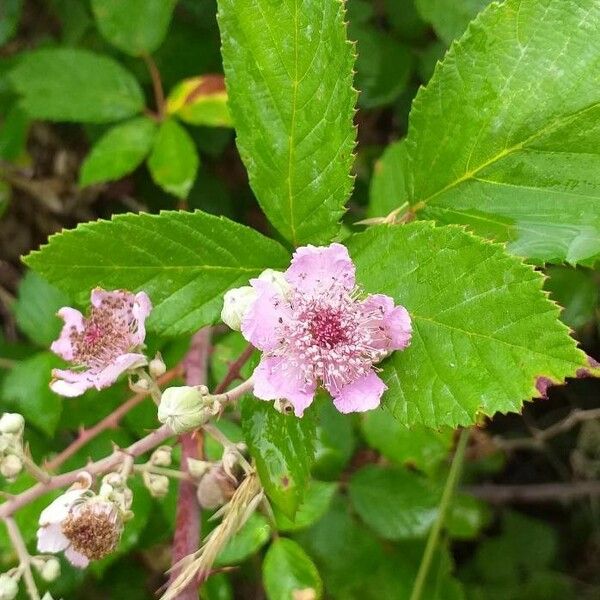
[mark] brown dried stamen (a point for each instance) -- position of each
(93, 533)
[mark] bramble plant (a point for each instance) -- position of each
(253, 354)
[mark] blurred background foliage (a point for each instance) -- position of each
(81, 139)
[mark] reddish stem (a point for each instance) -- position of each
(109, 422)
(234, 369)
(159, 95)
(187, 521)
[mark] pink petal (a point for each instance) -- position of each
(60, 507)
(123, 363)
(393, 321)
(141, 309)
(76, 558)
(360, 395)
(70, 383)
(50, 538)
(315, 268)
(265, 316)
(277, 377)
(73, 319)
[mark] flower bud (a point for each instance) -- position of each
(182, 408)
(277, 279)
(236, 303)
(12, 423)
(9, 588)
(139, 386)
(214, 489)
(50, 570)
(158, 485)
(161, 457)
(198, 468)
(157, 367)
(10, 466)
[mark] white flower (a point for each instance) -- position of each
(182, 408)
(84, 526)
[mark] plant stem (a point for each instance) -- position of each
(159, 95)
(235, 367)
(434, 534)
(33, 469)
(24, 559)
(172, 473)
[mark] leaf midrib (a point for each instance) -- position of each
(558, 122)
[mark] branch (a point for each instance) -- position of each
(24, 558)
(159, 95)
(186, 539)
(109, 422)
(539, 438)
(235, 367)
(542, 492)
(157, 437)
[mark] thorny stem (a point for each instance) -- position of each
(24, 558)
(109, 422)
(39, 473)
(235, 367)
(159, 95)
(99, 467)
(541, 436)
(434, 534)
(235, 393)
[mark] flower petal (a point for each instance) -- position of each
(360, 395)
(141, 309)
(391, 324)
(265, 315)
(76, 558)
(60, 507)
(278, 377)
(50, 538)
(73, 321)
(70, 383)
(122, 363)
(315, 268)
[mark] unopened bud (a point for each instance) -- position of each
(9, 588)
(278, 280)
(10, 466)
(161, 457)
(12, 423)
(139, 386)
(214, 489)
(198, 468)
(158, 485)
(50, 569)
(236, 304)
(283, 406)
(182, 408)
(157, 367)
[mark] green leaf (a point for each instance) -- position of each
(283, 448)
(25, 389)
(118, 152)
(136, 26)
(287, 570)
(200, 101)
(289, 74)
(394, 502)
(484, 333)
(388, 188)
(448, 17)
(577, 291)
(13, 134)
(184, 261)
(316, 503)
(467, 516)
(217, 587)
(504, 137)
(36, 307)
(418, 446)
(249, 539)
(10, 15)
(66, 84)
(174, 160)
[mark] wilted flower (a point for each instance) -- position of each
(85, 526)
(320, 331)
(102, 345)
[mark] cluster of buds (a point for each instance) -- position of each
(156, 482)
(85, 525)
(186, 408)
(217, 481)
(11, 445)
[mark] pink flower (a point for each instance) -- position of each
(102, 346)
(319, 332)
